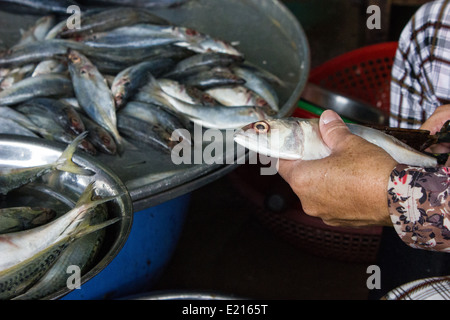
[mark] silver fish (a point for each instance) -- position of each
(38, 31)
(49, 66)
(213, 78)
(37, 51)
(131, 37)
(93, 94)
(62, 113)
(15, 75)
(54, 32)
(156, 116)
(13, 117)
(55, 132)
(294, 138)
(12, 177)
(186, 93)
(81, 253)
(258, 85)
(127, 82)
(202, 62)
(109, 19)
(236, 96)
(202, 43)
(216, 117)
(26, 256)
(8, 126)
(15, 219)
(99, 137)
(50, 85)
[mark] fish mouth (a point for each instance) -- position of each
(248, 138)
(242, 137)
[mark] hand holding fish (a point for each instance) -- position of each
(434, 124)
(347, 188)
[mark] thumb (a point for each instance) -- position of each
(332, 128)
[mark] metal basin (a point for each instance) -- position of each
(268, 34)
(60, 190)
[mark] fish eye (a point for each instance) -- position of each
(74, 58)
(261, 127)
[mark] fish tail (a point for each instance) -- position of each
(158, 94)
(65, 163)
(87, 229)
(87, 202)
(121, 142)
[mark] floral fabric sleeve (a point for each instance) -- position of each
(418, 202)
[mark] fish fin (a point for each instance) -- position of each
(65, 163)
(85, 198)
(158, 94)
(87, 203)
(87, 229)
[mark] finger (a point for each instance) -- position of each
(332, 128)
(439, 148)
(286, 169)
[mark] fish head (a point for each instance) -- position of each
(79, 63)
(119, 88)
(76, 124)
(288, 138)
(107, 143)
(272, 137)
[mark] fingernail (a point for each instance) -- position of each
(328, 116)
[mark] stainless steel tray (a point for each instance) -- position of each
(268, 34)
(60, 190)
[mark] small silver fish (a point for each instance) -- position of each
(49, 85)
(12, 177)
(93, 94)
(294, 138)
(127, 82)
(215, 117)
(38, 31)
(25, 256)
(82, 253)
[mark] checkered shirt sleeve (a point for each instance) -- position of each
(421, 70)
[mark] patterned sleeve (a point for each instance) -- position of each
(418, 203)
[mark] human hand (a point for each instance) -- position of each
(434, 124)
(347, 188)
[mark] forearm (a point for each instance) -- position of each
(418, 204)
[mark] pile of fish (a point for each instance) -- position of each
(127, 76)
(37, 245)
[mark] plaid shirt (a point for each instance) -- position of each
(418, 198)
(421, 70)
(436, 288)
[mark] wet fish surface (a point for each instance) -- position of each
(25, 256)
(15, 219)
(93, 94)
(51, 85)
(12, 178)
(294, 138)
